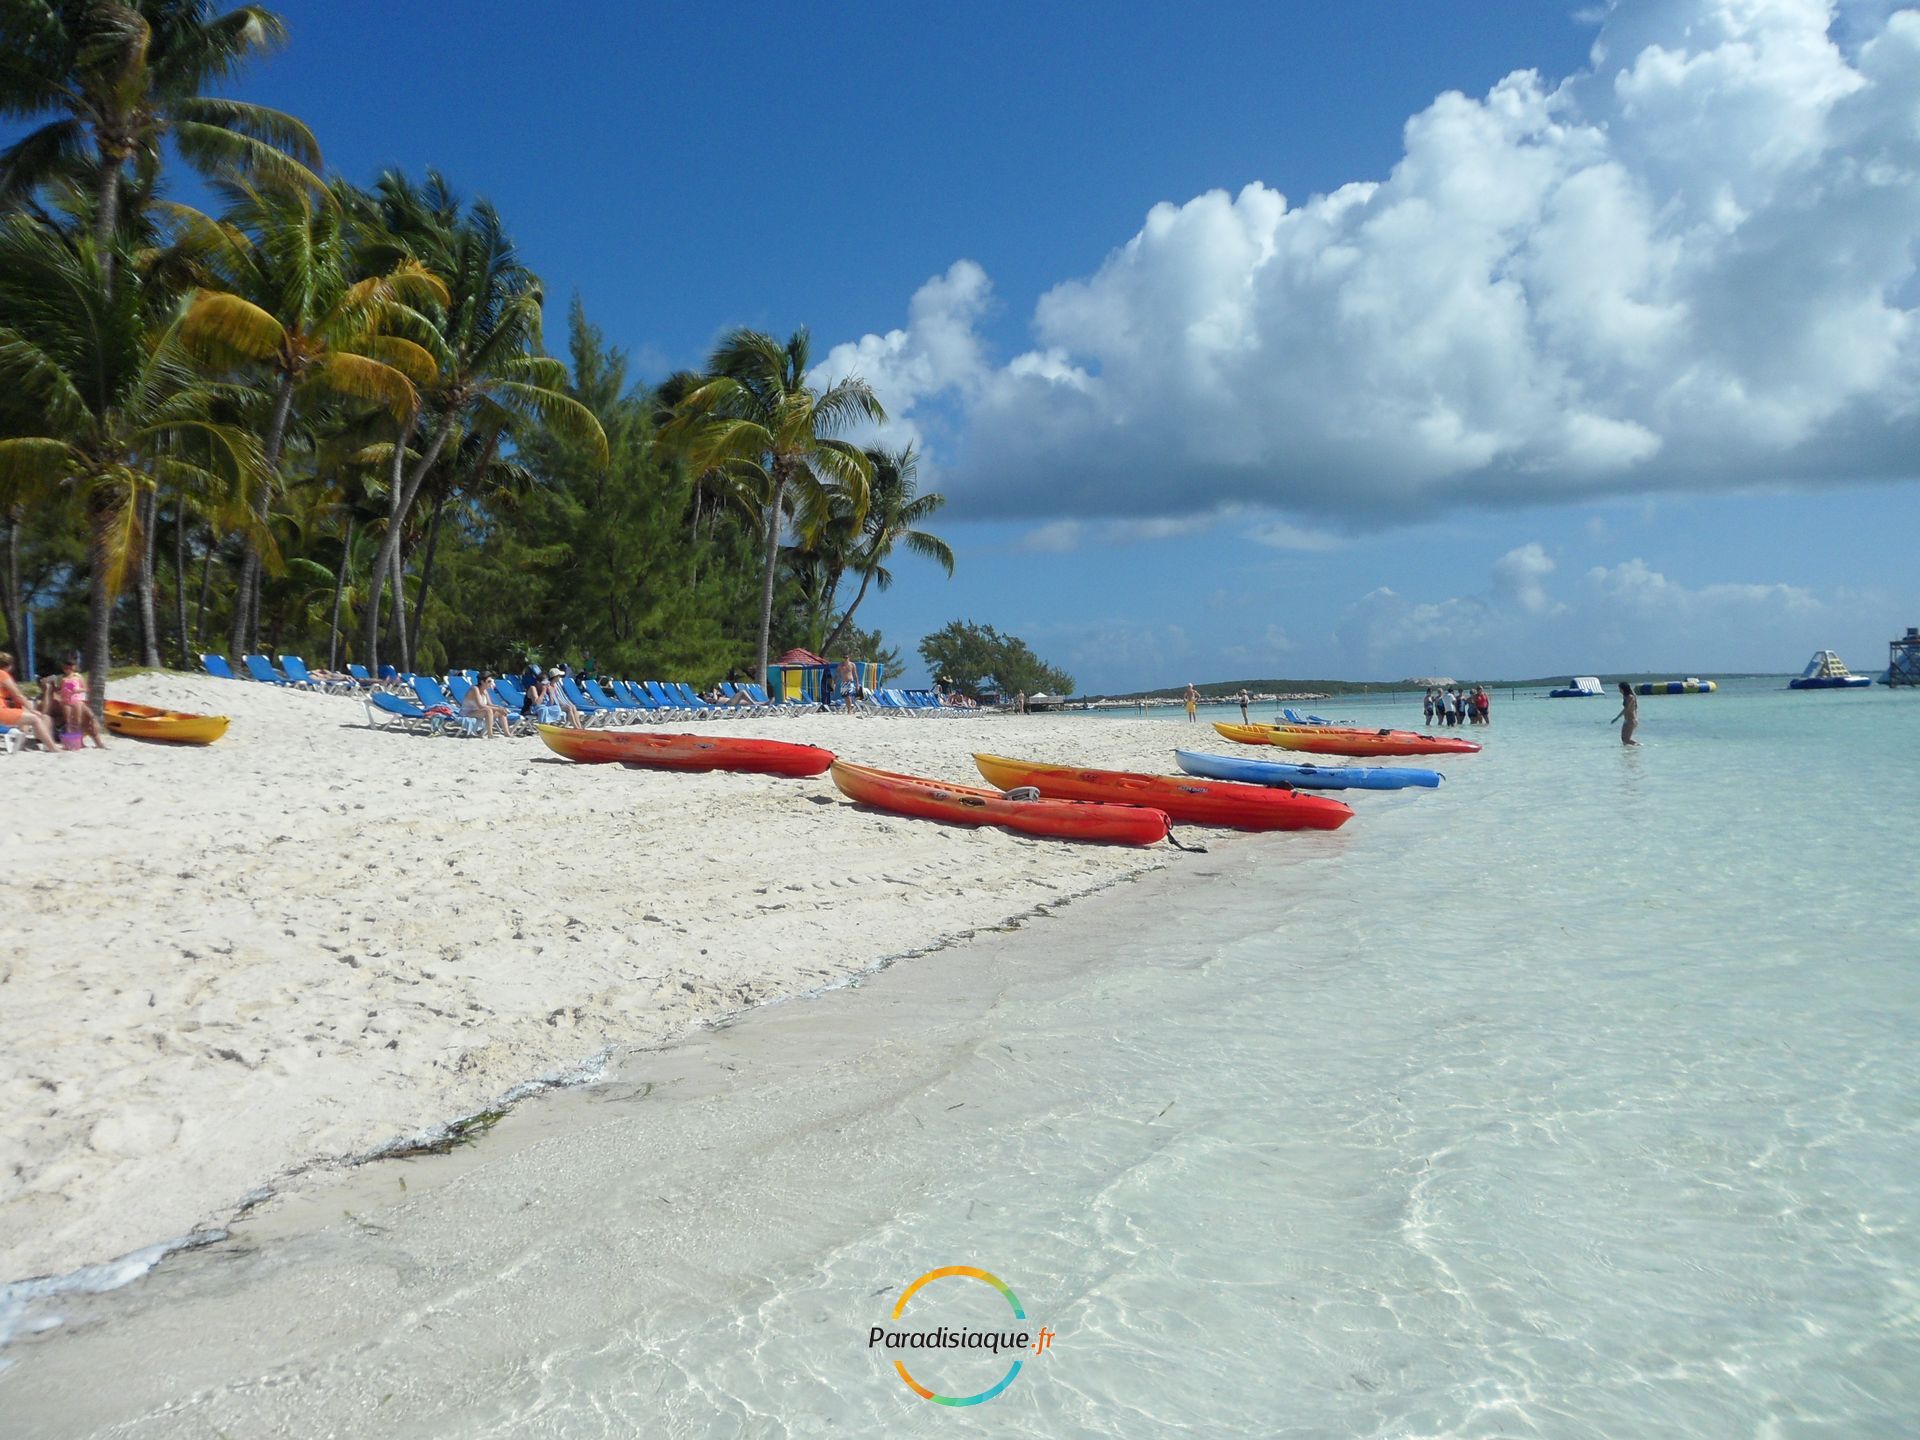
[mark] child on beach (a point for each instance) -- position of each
(1630, 711)
(64, 697)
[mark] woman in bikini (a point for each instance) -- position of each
(1630, 711)
(17, 709)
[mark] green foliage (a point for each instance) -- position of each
(758, 420)
(262, 422)
(975, 658)
(598, 563)
(871, 645)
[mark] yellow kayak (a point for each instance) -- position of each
(148, 722)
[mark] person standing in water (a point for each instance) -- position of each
(1630, 712)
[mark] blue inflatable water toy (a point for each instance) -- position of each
(1304, 777)
(1826, 671)
(1688, 686)
(1581, 687)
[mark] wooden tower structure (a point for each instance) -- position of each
(1903, 658)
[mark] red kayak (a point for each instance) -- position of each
(968, 805)
(685, 752)
(1197, 802)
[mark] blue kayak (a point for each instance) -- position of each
(1304, 777)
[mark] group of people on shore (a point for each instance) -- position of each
(61, 717)
(1457, 705)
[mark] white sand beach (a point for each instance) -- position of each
(314, 939)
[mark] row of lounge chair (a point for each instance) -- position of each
(427, 705)
(434, 708)
(291, 672)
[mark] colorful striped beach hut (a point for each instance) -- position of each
(803, 675)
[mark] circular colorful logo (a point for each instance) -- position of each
(945, 1339)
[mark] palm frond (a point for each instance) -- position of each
(360, 378)
(54, 151)
(211, 147)
(31, 467)
(256, 122)
(219, 326)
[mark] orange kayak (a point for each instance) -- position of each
(971, 805)
(1345, 740)
(685, 752)
(1196, 802)
(176, 727)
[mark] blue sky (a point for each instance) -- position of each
(1610, 366)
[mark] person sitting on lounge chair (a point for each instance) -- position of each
(557, 695)
(542, 702)
(717, 696)
(479, 707)
(12, 697)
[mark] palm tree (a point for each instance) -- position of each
(894, 514)
(98, 395)
(126, 75)
(759, 418)
(493, 377)
(287, 294)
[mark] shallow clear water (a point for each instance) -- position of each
(1577, 1098)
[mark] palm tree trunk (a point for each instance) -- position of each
(242, 597)
(866, 579)
(180, 577)
(106, 212)
(402, 644)
(99, 605)
(206, 590)
(254, 604)
(426, 567)
(246, 613)
(339, 590)
(10, 594)
(399, 502)
(774, 525)
(149, 612)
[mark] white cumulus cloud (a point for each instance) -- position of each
(1691, 265)
(1520, 576)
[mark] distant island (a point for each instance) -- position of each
(1287, 689)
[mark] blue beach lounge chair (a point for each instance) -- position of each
(617, 712)
(390, 712)
(668, 702)
(636, 697)
(261, 669)
(432, 697)
(591, 711)
(217, 666)
(296, 671)
(690, 699)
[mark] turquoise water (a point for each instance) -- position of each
(1574, 1099)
